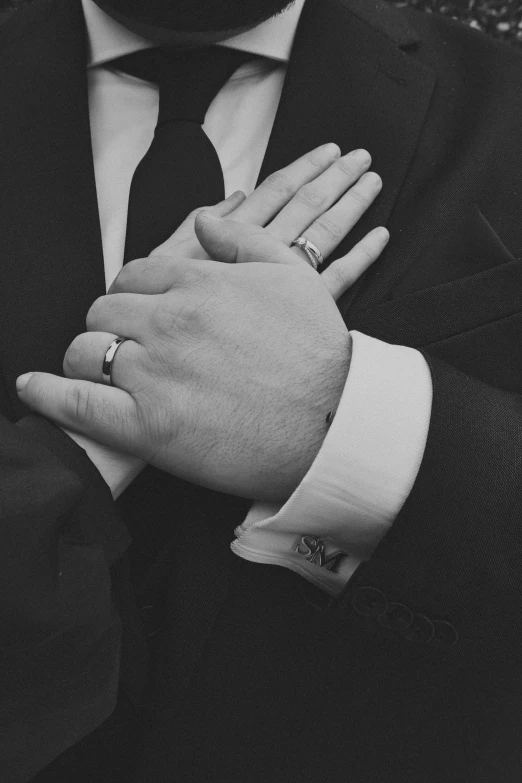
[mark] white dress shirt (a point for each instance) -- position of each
(370, 458)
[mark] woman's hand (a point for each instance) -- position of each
(321, 195)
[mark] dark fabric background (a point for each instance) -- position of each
(499, 18)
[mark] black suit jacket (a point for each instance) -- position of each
(414, 672)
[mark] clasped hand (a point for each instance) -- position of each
(228, 369)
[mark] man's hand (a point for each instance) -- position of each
(226, 377)
(228, 370)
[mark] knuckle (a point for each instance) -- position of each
(364, 254)
(280, 184)
(198, 275)
(339, 279)
(79, 403)
(170, 318)
(346, 165)
(71, 359)
(121, 281)
(154, 276)
(331, 228)
(125, 275)
(94, 313)
(315, 159)
(156, 263)
(337, 273)
(312, 197)
(192, 277)
(133, 267)
(360, 198)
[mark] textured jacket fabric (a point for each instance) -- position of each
(239, 671)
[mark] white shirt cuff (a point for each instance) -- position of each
(118, 470)
(361, 476)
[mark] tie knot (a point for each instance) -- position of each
(188, 80)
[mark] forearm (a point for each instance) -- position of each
(361, 476)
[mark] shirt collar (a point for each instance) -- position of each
(109, 39)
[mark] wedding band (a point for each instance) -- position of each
(313, 253)
(108, 360)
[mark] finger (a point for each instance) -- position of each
(272, 195)
(153, 275)
(183, 236)
(232, 242)
(84, 359)
(342, 273)
(330, 228)
(314, 198)
(101, 412)
(125, 315)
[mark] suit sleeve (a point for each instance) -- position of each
(60, 632)
(448, 572)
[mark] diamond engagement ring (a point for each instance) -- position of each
(313, 253)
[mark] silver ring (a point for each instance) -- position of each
(108, 360)
(313, 253)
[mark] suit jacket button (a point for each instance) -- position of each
(397, 618)
(369, 602)
(420, 630)
(444, 635)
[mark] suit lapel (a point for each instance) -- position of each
(49, 216)
(349, 81)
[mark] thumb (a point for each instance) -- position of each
(239, 243)
(103, 413)
(182, 240)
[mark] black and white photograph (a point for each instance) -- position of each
(260, 391)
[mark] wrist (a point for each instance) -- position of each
(310, 434)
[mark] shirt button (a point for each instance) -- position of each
(444, 634)
(397, 618)
(369, 602)
(420, 630)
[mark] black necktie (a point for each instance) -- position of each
(181, 169)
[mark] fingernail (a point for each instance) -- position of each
(372, 178)
(332, 150)
(209, 216)
(22, 380)
(362, 155)
(385, 234)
